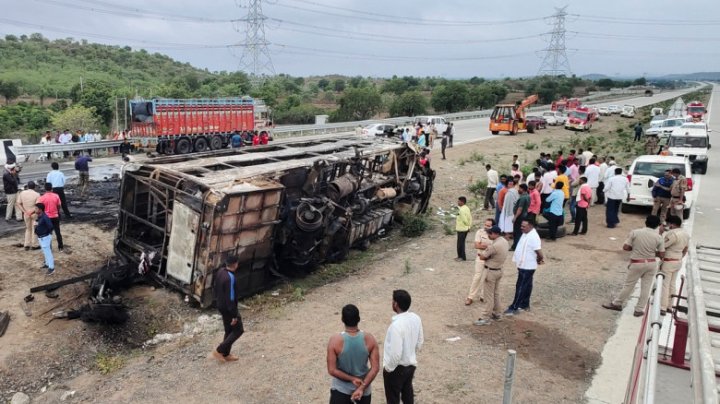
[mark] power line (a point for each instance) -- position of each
(385, 18)
(641, 21)
(555, 62)
(643, 37)
(148, 44)
(367, 56)
(132, 12)
(333, 32)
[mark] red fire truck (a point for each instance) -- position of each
(696, 110)
(180, 126)
(565, 104)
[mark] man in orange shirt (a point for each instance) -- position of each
(562, 177)
(52, 203)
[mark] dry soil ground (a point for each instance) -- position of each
(282, 354)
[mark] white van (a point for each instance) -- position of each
(643, 173)
(692, 140)
(441, 123)
(666, 127)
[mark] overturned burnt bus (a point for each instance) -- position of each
(281, 208)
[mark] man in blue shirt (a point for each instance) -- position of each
(554, 213)
(57, 179)
(661, 196)
(236, 140)
(83, 168)
(43, 230)
(227, 292)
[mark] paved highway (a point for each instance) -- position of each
(473, 130)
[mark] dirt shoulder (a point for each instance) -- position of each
(282, 354)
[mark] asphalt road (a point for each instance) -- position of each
(707, 212)
(473, 130)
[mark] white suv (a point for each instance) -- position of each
(691, 140)
(643, 173)
(554, 118)
(666, 127)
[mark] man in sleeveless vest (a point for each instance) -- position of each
(348, 354)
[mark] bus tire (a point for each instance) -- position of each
(183, 146)
(200, 144)
(216, 142)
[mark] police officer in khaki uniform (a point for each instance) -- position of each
(482, 241)
(494, 256)
(677, 193)
(676, 246)
(651, 144)
(644, 245)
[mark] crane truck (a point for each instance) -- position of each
(511, 117)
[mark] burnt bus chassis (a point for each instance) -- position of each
(281, 208)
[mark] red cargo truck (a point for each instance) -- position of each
(696, 110)
(565, 104)
(180, 126)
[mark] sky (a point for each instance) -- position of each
(450, 38)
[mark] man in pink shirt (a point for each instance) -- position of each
(52, 203)
(535, 201)
(583, 199)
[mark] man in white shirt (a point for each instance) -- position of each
(492, 181)
(616, 189)
(547, 181)
(592, 172)
(587, 155)
(610, 172)
(527, 257)
(404, 337)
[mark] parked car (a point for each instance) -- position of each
(537, 121)
(604, 111)
(441, 123)
(643, 173)
(554, 118)
(691, 140)
(666, 127)
(379, 129)
(614, 109)
(628, 111)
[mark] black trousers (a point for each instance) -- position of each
(554, 221)
(398, 385)
(232, 333)
(517, 231)
(489, 201)
(600, 192)
(461, 236)
(443, 146)
(581, 220)
(63, 200)
(56, 228)
(337, 397)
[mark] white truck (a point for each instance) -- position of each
(628, 111)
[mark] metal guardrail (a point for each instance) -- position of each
(57, 147)
(702, 367)
(651, 363)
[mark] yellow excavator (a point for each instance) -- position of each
(511, 117)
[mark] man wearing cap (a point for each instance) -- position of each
(43, 230)
(494, 256)
(26, 201)
(10, 186)
(482, 241)
(645, 245)
(677, 192)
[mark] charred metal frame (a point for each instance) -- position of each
(284, 207)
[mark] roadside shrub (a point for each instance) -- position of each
(478, 187)
(413, 225)
(530, 146)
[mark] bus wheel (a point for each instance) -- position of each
(216, 142)
(200, 144)
(183, 146)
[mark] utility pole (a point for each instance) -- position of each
(555, 62)
(255, 58)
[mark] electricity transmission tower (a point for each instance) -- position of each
(255, 58)
(555, 62)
